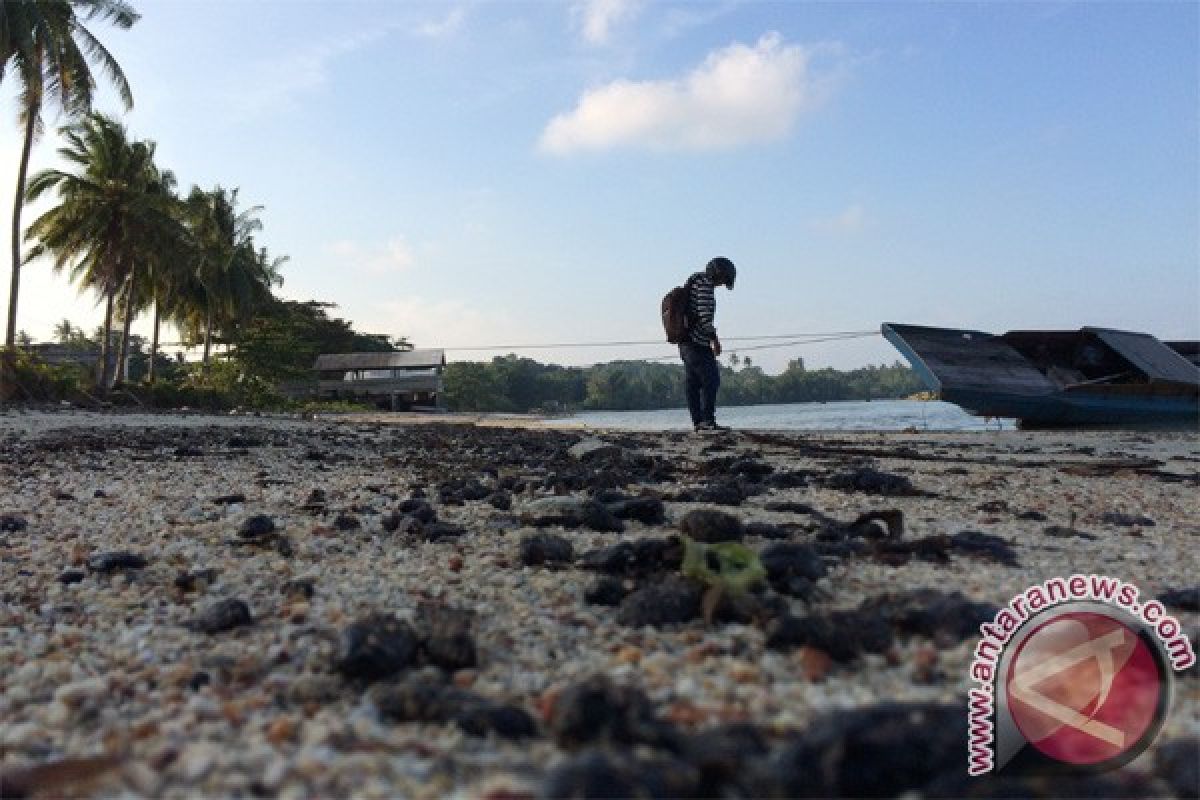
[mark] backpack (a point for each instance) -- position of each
(675, 319)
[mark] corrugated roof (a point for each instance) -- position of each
(1149, 355)
(405, 359)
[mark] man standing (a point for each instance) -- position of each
(700, 351)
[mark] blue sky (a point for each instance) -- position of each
(510, 173)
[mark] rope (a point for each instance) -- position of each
(804, 339)
(830, 338)
(794, 340)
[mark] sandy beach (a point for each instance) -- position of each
(483, 607)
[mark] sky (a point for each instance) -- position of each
(517, 173)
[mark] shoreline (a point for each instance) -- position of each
(742, 419)
(108, 663)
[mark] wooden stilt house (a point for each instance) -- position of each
(402, 380)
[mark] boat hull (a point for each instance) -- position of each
(1035, 377)
(1079, 410)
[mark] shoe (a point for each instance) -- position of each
(705, 427)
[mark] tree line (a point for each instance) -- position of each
(253, 360)
(119, 228)
(514, 384)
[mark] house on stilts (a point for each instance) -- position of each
(401, 380)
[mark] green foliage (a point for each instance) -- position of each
(222, 387)
(228, 380)
(48, 47)
(633, 385)
(279, 344)
(282, 341)
(37, 382)
(169, 394)
(797, 384)
(513, 384)
(471, 386)
(330, 407)
(730, 567)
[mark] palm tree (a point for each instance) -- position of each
(227, 272)
(112, 211)
(64, 331)
(164, 241)
(242, 292)
(181, 295)
(169, 282)
(252, 275)
(169, 272)
(48, 47)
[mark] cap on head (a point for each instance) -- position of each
(721, 270)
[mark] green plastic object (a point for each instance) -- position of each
(733, 567)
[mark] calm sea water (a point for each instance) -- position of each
(877, 415)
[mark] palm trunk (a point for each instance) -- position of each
(10, 335)
(120, 378)
(208, 326)
(104, 342)
(7, 355)
(154, 344)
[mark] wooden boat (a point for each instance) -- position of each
(1093, 377)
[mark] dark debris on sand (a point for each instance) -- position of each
(422, 700)
(223, 615)
(376, 646)
(868, 480)
(423, 657)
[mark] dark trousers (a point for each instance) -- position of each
(703, 380)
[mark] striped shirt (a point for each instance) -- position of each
(702, 307)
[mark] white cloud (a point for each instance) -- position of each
(740, 95)
(440, 29)
(376, 259)
(851, 220)
(597, 18)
